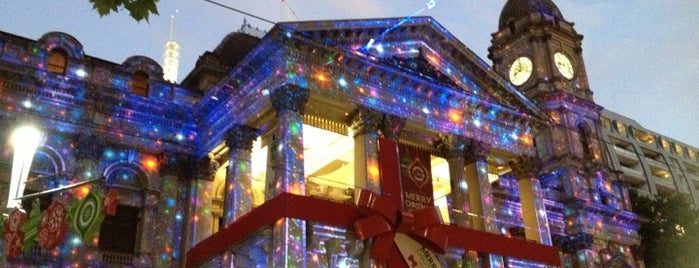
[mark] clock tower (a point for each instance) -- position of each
(539, 53)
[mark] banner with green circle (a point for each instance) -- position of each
(88, 216)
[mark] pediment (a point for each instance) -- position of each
(417, 46)
(411, 67)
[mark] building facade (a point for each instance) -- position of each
(293, 147)
(651, 162)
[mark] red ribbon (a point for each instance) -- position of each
(384, 219)
(287, 205)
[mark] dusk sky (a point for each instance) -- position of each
(642, 56)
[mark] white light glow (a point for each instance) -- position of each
(24, 139)
(81, 73)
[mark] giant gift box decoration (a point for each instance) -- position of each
(402, 238)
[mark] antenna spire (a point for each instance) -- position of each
(171, 56)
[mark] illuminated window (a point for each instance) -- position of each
(679, 149)
(643, 137)
(660, 173)
(606, 124)
(139, 83)
(692, 154)
(666, 145)
(621, 128)
(57, 61)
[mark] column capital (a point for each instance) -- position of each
(391, 126)
(452, 146)
(241, 137)
(150, 199)
(207, 167)
(289, 98)
(477, 151)
(526, 166)
(364, 120)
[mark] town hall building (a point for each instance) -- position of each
(346, 143)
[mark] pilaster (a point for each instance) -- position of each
(88, 151)
(148, 227)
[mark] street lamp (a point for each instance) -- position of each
(24, 140)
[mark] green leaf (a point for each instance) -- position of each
(138, 9)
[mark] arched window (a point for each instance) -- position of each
(57, 61)
(139, 83)
(119, 234)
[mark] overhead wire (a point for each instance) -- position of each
(533, 116)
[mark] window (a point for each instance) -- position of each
(643, 137)
(585, 141)
(621, 128)
(139, 83)
(606, 124)
(666, 144)
(118, 232)
(679, 149)
(57, 61)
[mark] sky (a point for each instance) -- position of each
(641, 56)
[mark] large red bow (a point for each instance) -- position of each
(384, 219)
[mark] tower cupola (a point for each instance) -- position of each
(514, 10)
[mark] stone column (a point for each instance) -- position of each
(174, 170)
(453, 148)
(479, 191)
(536, 226)
(200, 195)
(287, 174)
(238, 192)
(365, 127)
(480, 195)
(237, 196)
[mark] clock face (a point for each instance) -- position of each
(521, 70)
(563, 64)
